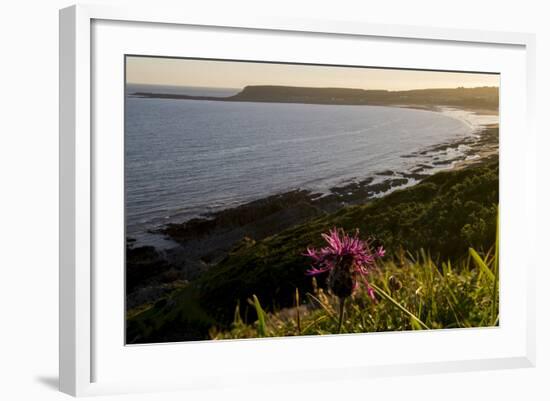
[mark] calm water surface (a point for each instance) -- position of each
(184, 158)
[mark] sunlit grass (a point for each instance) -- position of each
(415, 293)
(455, 284)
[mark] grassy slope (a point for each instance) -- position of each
(445, 214)
(410, 295)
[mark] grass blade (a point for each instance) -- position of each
(481, 264)
(494, 310)
(298, 325)
(325, 307)
(398, 305)
(262, 329)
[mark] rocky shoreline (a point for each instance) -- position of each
(205, 241)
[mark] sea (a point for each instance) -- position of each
(188, 158)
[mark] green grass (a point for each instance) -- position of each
(440, 220)
(446, 215)
(414, 295)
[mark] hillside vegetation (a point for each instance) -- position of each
(426, 228)
(482, 97)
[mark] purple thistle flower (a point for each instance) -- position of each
(345, 258)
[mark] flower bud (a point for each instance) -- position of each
(341, 278)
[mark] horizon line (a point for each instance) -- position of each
(310, 87)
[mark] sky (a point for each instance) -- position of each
(235, 74)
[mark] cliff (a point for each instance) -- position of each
(486, 98)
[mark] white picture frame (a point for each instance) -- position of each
(91, 363)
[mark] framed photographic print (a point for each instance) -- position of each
(238, 194)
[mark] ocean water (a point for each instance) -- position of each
(185, 158)
(181, 90)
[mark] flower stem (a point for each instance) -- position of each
(341, 318)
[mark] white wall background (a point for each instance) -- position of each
(29, 197)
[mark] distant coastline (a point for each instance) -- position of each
(484, 99)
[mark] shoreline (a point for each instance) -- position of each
(479, 98)
(473, 149)
(446, 214)
(482, 110)
(377, 183)
(203, 242)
